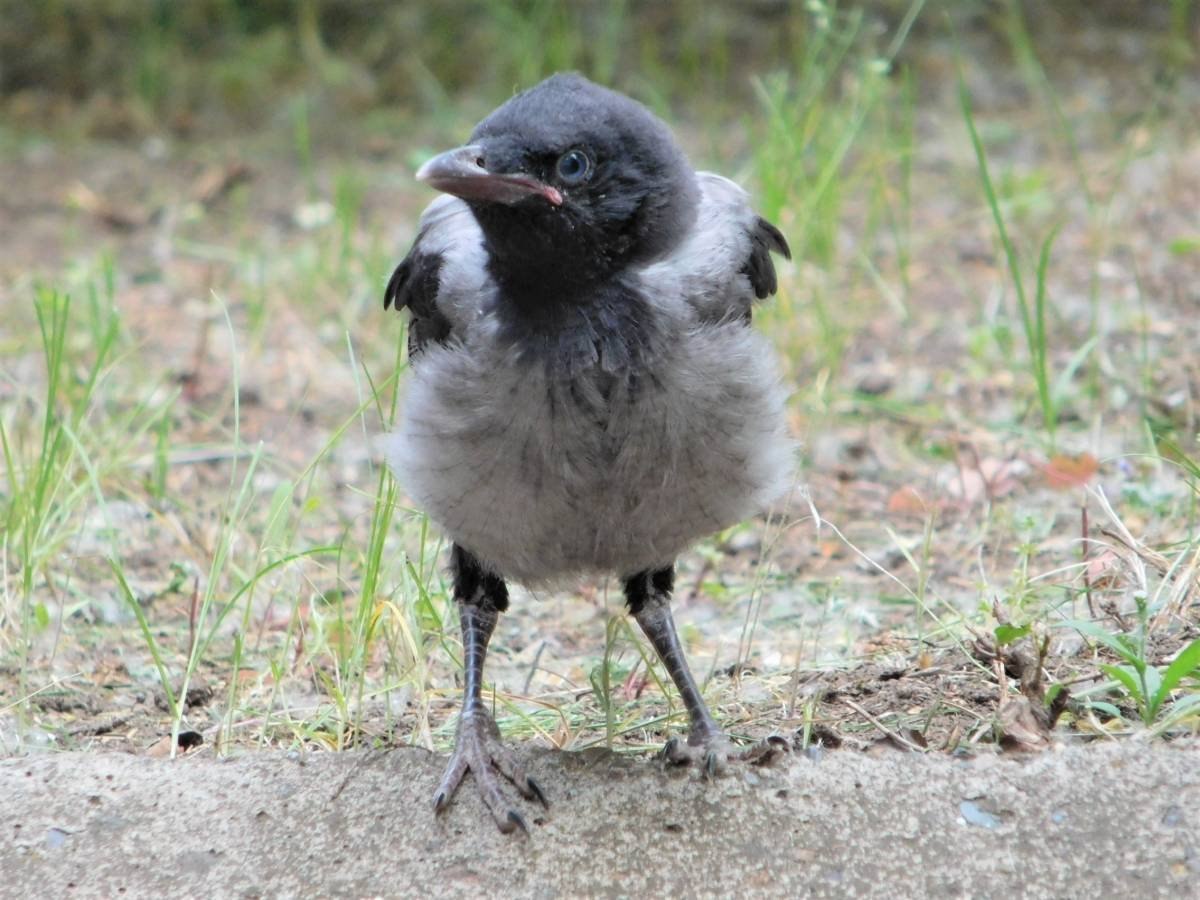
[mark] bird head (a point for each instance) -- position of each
(570, 181)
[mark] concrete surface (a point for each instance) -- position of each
(1118, 820)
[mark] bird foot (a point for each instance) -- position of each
(478, 748)
(715, 751)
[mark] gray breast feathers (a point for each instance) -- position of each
(543, 478)
(546, 472)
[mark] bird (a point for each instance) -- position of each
(586, 395)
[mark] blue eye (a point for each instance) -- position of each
(574, 167)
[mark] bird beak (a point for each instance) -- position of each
(463, 173)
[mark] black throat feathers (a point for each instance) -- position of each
(607, 326)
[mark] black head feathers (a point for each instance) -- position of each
(570, 176)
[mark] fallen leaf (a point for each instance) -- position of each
(122, 218)
(907, 501)
(987, 479)
(216, 181)
(1104, 570)
(188, 740)
(1063, 472)
(829, 549)
(1021, 729)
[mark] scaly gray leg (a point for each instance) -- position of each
(481, 597)
(648, 595)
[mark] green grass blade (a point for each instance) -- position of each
(1128, 679)
(1187, 662)
(1032, 320)
(148, 637)
(1112, 641)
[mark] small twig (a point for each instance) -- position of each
(537, 657)
(197, 456)
(98, 727)
(705, 568)
(56, 683)
(988, 488)
(635, 682)
(299, 644)
(369, 757)
(926, 673)
(192, 611)
(964, 709)
(961, 469)
(1110, 609)
(1126, 540)
(190, 378)
(1087, 575)
(889, 733)
(1080, 679)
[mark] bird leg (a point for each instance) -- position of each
(648, 595)
(481, 597)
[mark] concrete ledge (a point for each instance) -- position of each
(1103, 820)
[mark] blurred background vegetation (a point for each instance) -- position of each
(126, 67)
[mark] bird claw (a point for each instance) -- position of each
(766, 751)
(535, 792)
(478, 749)
(714, 753)
(515, 821)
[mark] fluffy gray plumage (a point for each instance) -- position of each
(543, 477)
(546, 468)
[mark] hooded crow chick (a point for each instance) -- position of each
(586, 394)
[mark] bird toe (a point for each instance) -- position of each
(767, 751)
(480, 751)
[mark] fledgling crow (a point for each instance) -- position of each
(587, 395)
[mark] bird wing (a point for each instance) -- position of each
(725, 263)
(443, 281)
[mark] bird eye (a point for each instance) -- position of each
(574, 167)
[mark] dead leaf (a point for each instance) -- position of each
(829, 549)
(216, 181)
(973, 481)
(188, 740)
(1064, 472)
(1021, 729)
(122, 218)
(1025, 720)
(1104, 570)
(907, 501)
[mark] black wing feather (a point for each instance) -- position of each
(414, 285)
